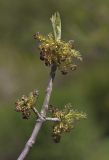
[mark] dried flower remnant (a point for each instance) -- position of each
(26, 103)
(67, 117)
(53, 50)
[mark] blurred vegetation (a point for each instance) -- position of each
(87, 22)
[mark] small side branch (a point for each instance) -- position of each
(40, 117)
(52, 119)
(44, 118)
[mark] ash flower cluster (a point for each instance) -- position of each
(53, 50)
(58, 52)
(26, 103)
(67, 117)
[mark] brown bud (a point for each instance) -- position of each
(64, 72)
(36, 35)
(56, 138)
(71, 42)
(35, 93)
(42, 56)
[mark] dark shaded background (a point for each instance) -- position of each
(85, 21)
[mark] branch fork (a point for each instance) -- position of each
(41, 116)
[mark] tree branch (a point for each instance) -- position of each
(43, 112)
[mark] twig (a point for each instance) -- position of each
(43, 118)
(52, 119)
(43, 112)
(37, 114)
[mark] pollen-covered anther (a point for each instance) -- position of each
(57, 51)
(26, 103)
(67, 117)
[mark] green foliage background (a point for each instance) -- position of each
(85, 21)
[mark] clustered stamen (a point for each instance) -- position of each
(26, 103)
(67, 117)
(58, 51)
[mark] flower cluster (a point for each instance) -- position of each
(57, 51)
(67, 118)
(26, 103)
(53, 50)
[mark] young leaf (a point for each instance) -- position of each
(56, 24)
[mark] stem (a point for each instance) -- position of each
(52, 119)
(43, 118)
(37, 114)
(43, 112)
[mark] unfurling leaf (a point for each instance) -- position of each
(56, 24)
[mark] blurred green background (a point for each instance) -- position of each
(21, 71)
